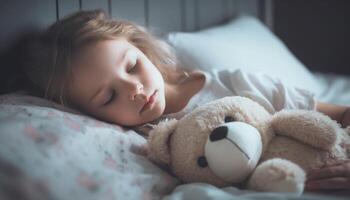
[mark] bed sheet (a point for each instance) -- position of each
(334, 88)
(50, 152)
(209, 192)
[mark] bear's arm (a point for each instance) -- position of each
(310, 127)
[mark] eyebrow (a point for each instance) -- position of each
(101, 88)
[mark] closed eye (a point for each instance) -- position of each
(110, 99)
(133, 67)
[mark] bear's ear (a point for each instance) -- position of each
(158, 142)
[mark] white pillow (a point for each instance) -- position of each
(242, 43)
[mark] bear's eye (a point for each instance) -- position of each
(202, 162)
(229, 119)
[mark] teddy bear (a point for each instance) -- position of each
(234, 141)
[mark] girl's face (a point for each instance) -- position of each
(114, 81)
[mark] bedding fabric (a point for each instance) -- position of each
(48, 152)
(204, 191)
(334, 88)
(243, 43)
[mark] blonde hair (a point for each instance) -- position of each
(50, 68)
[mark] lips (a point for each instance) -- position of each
(150, 101)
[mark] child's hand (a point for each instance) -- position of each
(330, 178)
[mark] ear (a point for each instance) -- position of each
(158, 142)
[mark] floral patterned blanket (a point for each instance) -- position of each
(50, 152)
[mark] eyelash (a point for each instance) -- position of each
(110, 99)
(133, 67)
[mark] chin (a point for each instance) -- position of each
(157, 112)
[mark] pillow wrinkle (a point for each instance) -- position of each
(244, 43)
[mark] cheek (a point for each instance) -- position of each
(153, 77)
(152, 69)
(157, 76)
(121, 116)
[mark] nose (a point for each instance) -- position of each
(218, 133)
(135, 90)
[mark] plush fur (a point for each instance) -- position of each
(293, 143)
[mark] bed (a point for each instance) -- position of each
(48, 151)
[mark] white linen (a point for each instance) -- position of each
(268, 91)
(244, 43)
(204, 191)
(334, 88)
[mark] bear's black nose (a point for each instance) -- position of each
(218, 133)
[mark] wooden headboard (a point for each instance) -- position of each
(17, 16)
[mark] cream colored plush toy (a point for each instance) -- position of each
(235, 141)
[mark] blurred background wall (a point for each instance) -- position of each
(316, 31)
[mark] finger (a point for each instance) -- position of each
(328, 184)
(328, 172)
(337, 164)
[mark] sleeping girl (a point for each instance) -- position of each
(118, 72)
